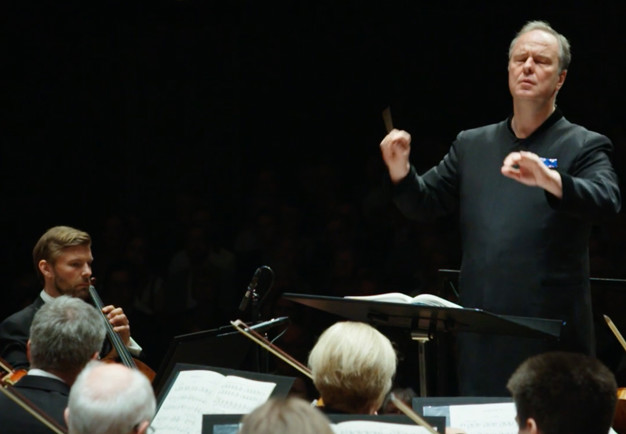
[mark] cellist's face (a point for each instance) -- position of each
(70, 274)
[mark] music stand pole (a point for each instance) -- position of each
(421, 339)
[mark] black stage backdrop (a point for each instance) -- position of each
(260, 122)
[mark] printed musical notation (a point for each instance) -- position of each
(198, 392)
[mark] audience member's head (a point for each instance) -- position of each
(353, 365)
(110, 398)
(285, 416)
(558, 393)
(64, 335)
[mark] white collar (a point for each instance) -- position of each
(42, 373)
(47, 298)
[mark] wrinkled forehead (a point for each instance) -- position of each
(536, 41)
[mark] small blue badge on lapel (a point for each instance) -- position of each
(552, 163)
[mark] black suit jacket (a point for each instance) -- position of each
(525, 252)
(47, 394)
(14, 334)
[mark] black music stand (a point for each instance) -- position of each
(223, 347)
(423, 320)
(229, 423)
(283, 383)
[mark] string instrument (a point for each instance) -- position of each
(400, 405)
(619, 419)
(12, 376)
(261, 340)
(269, 346)
(119, 347)
(6, 387)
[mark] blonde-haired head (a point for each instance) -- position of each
(353, 365)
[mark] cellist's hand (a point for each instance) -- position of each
(119, 321)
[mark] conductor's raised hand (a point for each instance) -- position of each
(527, 168)
(119, 321)
(396, 147)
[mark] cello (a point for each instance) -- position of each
(119, 347)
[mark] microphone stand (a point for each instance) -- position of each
(263, 274)
(262, 359)
(255, 309)
(255, 317)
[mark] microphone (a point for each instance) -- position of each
(263, 275)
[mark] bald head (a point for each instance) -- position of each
(110, 398)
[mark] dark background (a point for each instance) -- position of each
(260, 122)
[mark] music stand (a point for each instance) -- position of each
(437, 422)
(229, 423)
(423, 320)
(283, 383)
(223, 347)
(608, 296)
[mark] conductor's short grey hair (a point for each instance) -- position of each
(565, 55)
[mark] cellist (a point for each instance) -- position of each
(65, 334)
(62, 258)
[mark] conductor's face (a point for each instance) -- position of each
(534, 68)
(70, 274)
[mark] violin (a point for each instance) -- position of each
(269, 346)
(119, 347)
(12, 376)
(6, 387)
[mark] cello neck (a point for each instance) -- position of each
(113, 336)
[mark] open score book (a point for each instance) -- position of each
(198, 392)
(398, 297)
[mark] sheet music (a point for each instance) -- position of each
(496, 418)
(372, 427)
(198, 392)
(238, 395)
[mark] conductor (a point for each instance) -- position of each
(527, 191)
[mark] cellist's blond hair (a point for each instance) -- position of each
(51, 244)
